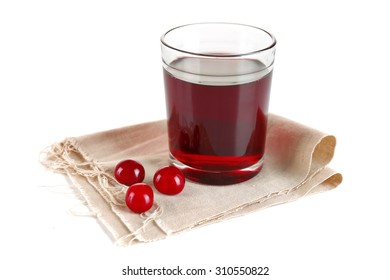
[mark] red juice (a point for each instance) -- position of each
(217, 123)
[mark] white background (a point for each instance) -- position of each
(68, 68)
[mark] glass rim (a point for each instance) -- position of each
(271, 45)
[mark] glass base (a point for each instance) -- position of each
(219, 178)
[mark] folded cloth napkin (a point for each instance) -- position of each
(295, 165)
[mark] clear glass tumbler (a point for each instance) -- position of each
(217, 79)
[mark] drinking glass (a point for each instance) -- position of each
(217, 79)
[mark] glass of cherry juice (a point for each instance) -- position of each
(217, 79)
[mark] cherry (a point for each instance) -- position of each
(139, 197)
(169, 180)
(129, 172)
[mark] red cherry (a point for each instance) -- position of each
(169, 180)
(139, 197)
(129, 172)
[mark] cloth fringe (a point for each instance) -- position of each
(64, 157)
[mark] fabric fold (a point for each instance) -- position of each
(295, 165)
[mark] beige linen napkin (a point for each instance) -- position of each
(295, 165)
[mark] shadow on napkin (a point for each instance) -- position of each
(295, 165)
